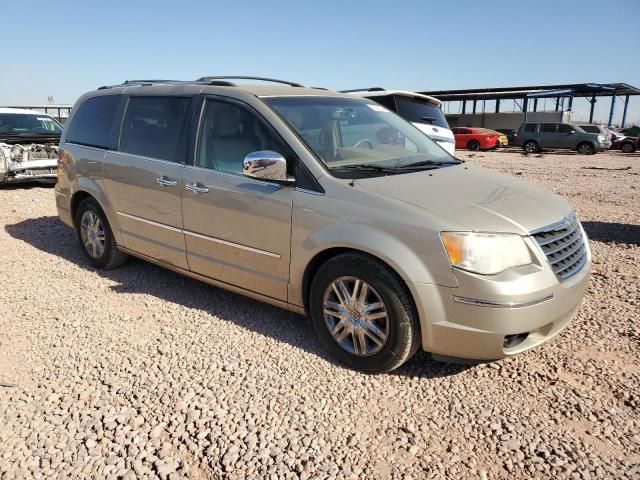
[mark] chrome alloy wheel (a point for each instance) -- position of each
(92, 232)
(530, 147)
(356, 316)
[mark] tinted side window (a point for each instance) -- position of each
(385, 101)
(155, 127)
(91, 124)
(228, 132)
(548, 127)
(530, 127)
(420, 111)
(590, 128)
(563, 128)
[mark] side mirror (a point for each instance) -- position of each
(266, 165)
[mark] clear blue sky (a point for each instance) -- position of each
(66, 47)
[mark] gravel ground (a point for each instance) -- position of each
(142, 373)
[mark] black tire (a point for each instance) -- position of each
(473, 145)
(403, 334)
(585, 148)
(628, 147)
(111, 256)
(531, 146)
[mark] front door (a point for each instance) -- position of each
(143, 178)
(237, 229)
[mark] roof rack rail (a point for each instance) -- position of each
(241, 77)
(372, 89)
(129, 83)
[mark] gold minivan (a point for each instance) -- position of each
(327, 205)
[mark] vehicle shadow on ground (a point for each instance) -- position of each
(613, 232)
(50, 235)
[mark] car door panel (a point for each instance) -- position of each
(148, 205)
(238, 231)
(237, 228)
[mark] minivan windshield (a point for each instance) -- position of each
(28, 124)
(359, 135)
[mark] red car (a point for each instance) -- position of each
(475, 138)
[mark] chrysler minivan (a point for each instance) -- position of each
(323, 204)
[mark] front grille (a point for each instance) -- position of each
(564, 246)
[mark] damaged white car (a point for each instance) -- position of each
(28, 146)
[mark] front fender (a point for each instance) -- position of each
(382, 245)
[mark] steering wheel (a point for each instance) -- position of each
(362, 141)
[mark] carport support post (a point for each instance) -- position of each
(557, 103)
(497, 105)
(464, 107)
(535, 104)
(525, 107)
(613, 106)
(624, 112)
(593, 104)
(474, 106)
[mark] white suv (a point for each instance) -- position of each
(421, 110)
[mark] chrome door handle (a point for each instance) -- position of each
(166, 181)
(195, 188)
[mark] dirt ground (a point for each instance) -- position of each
(141, 373)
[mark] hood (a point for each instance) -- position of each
(475, 198)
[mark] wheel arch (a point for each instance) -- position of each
(325, 255)
(87, 188)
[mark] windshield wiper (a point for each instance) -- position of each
(371, 167)
(427, 163)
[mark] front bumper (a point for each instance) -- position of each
(473, 320)
(31, 170)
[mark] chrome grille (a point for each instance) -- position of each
(563, 244)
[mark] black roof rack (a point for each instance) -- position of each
(372, 89)
(241, 77)
(220, 81)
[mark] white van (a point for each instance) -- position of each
(421, 110)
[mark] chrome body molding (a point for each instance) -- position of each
(492, 304)
(204, 237)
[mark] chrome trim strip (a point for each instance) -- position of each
(231, 244)
(61, 194)
(564, 222)
(310, 192)
(150, 222)
(199, 235)
(489, 303)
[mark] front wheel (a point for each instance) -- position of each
(473, 145)
(363, 314)
(531, 147)
(628, 147)
(586, 149)
(95, 236)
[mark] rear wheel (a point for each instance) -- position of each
(473, 145)
(531, 146)
(628, 147)
(95, 236)
(586, 148)
(363, 314)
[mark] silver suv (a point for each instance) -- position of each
(325, 204)
(533, 137)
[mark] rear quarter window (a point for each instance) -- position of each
(92, 123)
(590, 128)
(530, 127)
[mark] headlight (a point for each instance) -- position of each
(485, 253)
